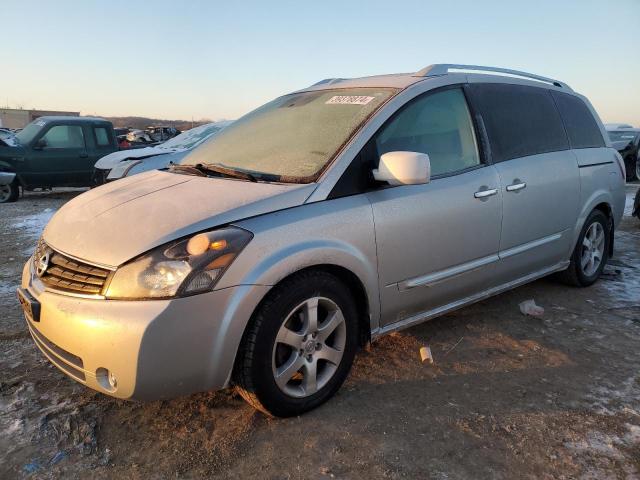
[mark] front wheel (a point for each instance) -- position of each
(299, 347)
(590, 254)
(9, 193)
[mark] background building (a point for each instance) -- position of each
(19, 118)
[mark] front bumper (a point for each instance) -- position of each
(154, 348)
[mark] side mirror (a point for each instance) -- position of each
(40, 144)
(403, 168)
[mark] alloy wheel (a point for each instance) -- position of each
(592, 249)
(5, 193)
(309, 347)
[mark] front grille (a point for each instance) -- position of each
(70, 275)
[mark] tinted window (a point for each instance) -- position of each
(582, 129)
(102, 136)
(64, 136)
(437, 124)
(519, 120)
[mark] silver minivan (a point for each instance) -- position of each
(317, 223)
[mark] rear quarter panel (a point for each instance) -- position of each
(600, 182)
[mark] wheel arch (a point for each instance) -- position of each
(599, 201)
(605, 208)
(356, 288)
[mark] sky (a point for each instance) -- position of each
(219, 60)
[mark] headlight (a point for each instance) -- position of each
(181, 268)
(122, 168)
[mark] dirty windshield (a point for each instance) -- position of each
(292, 138)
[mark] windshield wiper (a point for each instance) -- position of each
(205, 168)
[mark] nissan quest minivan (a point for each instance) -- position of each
(317, 223)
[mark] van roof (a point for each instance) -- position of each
(403, 80)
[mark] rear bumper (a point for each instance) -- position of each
(155, 348)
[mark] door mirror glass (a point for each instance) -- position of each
(403, 168)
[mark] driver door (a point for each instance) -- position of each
(58, 157)
(437, 243)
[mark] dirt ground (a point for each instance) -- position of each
(508, 397)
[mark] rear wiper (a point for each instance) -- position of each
(205, 168)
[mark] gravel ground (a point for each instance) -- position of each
(508, 397)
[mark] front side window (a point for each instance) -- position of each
(64, 136)
(293, 138)
(438, 124)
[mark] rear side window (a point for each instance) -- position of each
(582, 128)
(520, 120)
(102, 136)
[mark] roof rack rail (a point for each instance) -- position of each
(443, 69)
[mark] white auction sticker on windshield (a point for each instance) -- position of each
(349, 100)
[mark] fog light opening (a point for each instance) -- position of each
(107, 379)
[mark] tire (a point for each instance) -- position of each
(580, 274)
(637, 168)
(284, 315)
(632, 168)
(9, 193)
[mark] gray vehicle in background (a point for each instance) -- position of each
(627, 141)
(317, 223)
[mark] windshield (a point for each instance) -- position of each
(292, 138)
(191, 138)
(28, 133)
(620, 136)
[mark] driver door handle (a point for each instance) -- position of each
(485, 193)
(514, 187)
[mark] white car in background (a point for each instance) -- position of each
(125, 163)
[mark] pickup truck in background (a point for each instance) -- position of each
(54, 152)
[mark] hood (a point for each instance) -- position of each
(620, 145)
(109, 161)
(113, 223)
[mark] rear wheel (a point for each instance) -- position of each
(9, 193)
(299, 348)
(591, 252)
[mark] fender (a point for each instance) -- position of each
(269, 271)
(279, 264)
(338, 232)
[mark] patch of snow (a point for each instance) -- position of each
(31, 226)
(628, 205)
(598, 442)
(609, 400)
